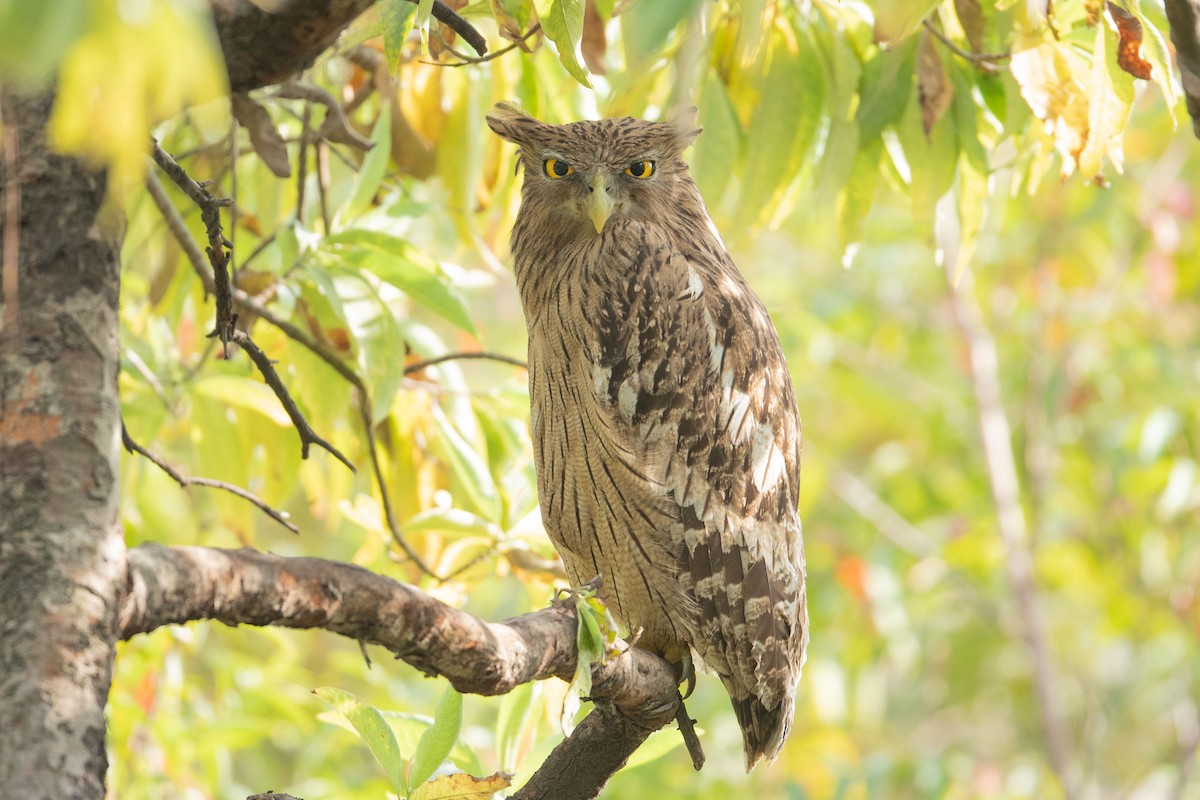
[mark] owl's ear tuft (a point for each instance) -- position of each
(510, 122)
(683, 126)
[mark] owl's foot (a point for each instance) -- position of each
(687, 729)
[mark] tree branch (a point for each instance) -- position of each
(267, 45)
(417, 366)
(218, 246)
(635, 693)
(996, 434)
(185, 481)
(979, 59)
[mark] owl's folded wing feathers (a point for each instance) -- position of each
(686, 364)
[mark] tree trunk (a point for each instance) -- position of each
(62, 556)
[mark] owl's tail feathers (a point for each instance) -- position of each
(764, 729)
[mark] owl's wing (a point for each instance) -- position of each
(687, 363)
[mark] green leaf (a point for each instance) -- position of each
(718, 147)
(516, 713)
(782, 128)
(563, 24)
(886, 87)
(371, 173)
(373, 729)
(437, 742)
(646, 26)
(397, 17)
(855, 199)
(1154, 50)
(244, 393)
(519, 10)
(453, 521)
(424, 11)
(468, 467)
(408, 269)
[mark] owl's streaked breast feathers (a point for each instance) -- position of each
(664, 422)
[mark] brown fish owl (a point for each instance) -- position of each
(664, 425)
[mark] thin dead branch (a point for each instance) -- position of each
(417, 366)
(183, 480)
(218, 246)
(467, 60)
(989, 60)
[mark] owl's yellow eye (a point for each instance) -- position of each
(557, 169)
(640, 169)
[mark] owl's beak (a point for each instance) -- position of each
(599, 200)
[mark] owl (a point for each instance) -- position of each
(664, 426)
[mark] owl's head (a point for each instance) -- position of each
(583, 174)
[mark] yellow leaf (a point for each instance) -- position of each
(1051, 79)
(128, 73)
(462, 786)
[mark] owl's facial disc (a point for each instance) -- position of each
(599, 199)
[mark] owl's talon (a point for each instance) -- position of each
(689, 674)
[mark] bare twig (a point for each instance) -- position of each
(218, 246)
(687, 729)
(364, 409)
(982, 59)
(466, 60)
(336, 127)
(302, 164)
(417, 366)
(996, 434)
(447, 16)
(9, 272)
(307, 435)
(185, 481)
(323, 149)
(176, 225)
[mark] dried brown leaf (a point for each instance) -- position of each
(594, 43)
(970, 17)
(934, 90)
(1129, 51)
(461, 786)
(264, 137)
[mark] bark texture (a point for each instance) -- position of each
(1184, 19)
(61, 549)
(172, 585)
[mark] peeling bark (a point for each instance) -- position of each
(61, 548)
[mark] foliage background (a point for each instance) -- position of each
(848, 219)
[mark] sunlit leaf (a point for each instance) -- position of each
(562, 22)
(462, 786)
(647, 26)
(373, 729)
(245, 393)
(437, 742)
(782, 128)
(370, 175)
(468, 467)
(397, 18)
(886, 88)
